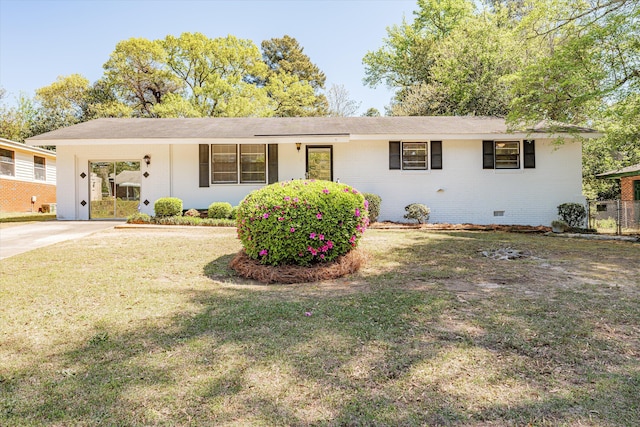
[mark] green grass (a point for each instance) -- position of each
(6, 217)
(150, 327)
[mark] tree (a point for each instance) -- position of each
(16, 123)
(291, 75)
(62, 103)
(372, 112)
(340, 105)
(137, 70)
(218, 75)
(469, 73)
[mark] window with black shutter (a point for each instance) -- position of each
(436, 154)
(394, 155)
(529, 154)
(204, 164)
(488, 161)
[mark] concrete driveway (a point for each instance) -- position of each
(23, 238)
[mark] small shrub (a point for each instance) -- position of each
(572, 213)
(301, 222)
(168, 206)
(234, 213)
(219, 210)
(559, 225)
(139, 218)
(374, 202)
(192, 213)
(417, 211)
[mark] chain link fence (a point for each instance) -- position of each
(615, 216)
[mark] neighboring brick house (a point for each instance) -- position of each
(629, 182)
(27, 177)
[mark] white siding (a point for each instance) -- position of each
(23, 167)
(462, 192)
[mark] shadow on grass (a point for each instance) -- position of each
(390, 354)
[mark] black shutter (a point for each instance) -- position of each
(272, 157)
(204, 165)
(529, 154)
(394, 154)
(436, 154)
(488, 161)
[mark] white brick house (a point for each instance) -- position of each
(466, 169)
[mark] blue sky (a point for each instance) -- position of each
(43, 39)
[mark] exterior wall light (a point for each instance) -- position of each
(147, 159)
(298, 146)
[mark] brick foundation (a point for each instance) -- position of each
(15, 195)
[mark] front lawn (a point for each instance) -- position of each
(150, 327)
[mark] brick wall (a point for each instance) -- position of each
(626, 187)
(15, 195)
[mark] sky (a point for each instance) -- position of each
(43, 39)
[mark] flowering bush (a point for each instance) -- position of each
(301, 222)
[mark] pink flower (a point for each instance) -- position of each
(266, 215)
(263, 252)
(325, 248)
(325, 191)
(355, 191)
(308, 313)
(346, 190)
(322, 256)
(287, 198)
(319, 215)
(280, 218)
(321, 236)
(357, 212)
(366, 204)
(312, 235)
(352, 240)
(330, 244)
(295, 200)
(292, 229)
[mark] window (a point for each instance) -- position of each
(507, 154)
(224, 164)
(7, 162)
(253, 163)
(414, 155)
(232, 163)
(39, 171)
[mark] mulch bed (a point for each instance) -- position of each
(252, 269)
(469, 227)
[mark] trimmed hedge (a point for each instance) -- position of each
(168, 206)
(301, 222)
(219, 210)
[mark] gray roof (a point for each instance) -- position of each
(632, 170)
(251, 127)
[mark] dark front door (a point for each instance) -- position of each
(636, 190)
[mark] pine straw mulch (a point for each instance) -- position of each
(287, 274)
(387, 225)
